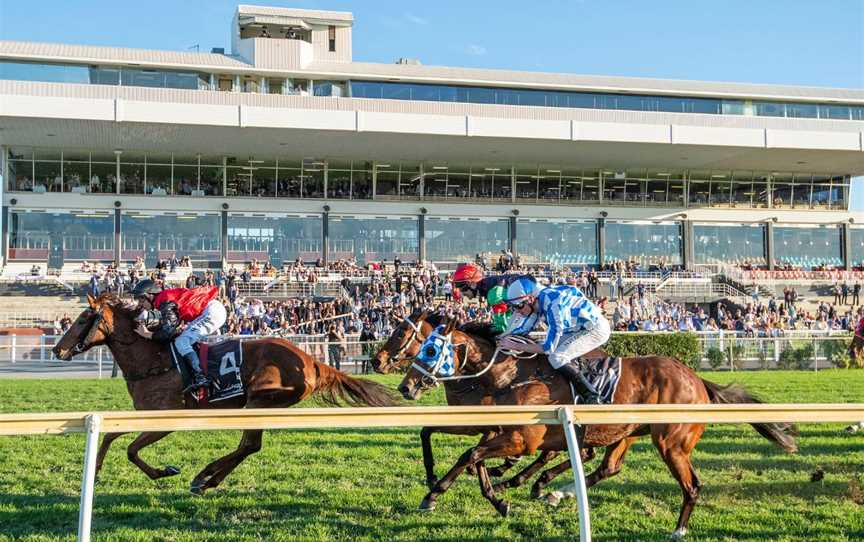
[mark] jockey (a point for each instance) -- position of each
(469, 279)
(576, 326)
(196, 307)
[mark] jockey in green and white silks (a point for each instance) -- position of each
(500, 311)
(575, 324)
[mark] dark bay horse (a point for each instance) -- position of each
(644, 380)
(856, 359)
(275, 373)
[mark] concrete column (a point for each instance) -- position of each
(4, 180)
(6, 218)
(223, 246)
(769, 245)
(689, 245)
(118, 238)
(601, 240)
(421, 237)
(513, 184)
(117, 154)
(513, 244)
(847, 246)
(325, 235)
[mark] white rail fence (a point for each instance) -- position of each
(719, 351)
(295, 418)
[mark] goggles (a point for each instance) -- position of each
(519, 303)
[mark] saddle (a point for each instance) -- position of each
(221, 362)
(604, 374)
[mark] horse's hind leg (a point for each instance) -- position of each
(547, 476)
(428, 459)
(213, 474)
(610, 466)
(503, 507)
(143, 440)
(526, 473)
(675, 442)
(103, 449)
(507, 464)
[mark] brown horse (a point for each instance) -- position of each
(644, 380)
(275, 373)
(856, 354)
(403, 344)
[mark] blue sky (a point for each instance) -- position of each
(790, 42)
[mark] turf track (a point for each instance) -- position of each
(364, 485)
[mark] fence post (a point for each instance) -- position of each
(13, 349)
(42, 348)
(815, 355)
(566, 418)
(93, 423)
(99, 361)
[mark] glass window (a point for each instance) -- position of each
(387, 180)
(460, 240)
(103, 173)
(646, 243)
(274, 238)
(76, 171)
(769, 109)
(20, 161)
(566, 243)
(48, 73)
(807, 111)
(132, 173)
(313, 180)
(699, 187)
(339, 180)
(212, 172)
(275, 86)
(856, 245)
(735, 244)
(781, 184)
(838, 112)
(156, 236)
(807, 247)
(368, 239)
(158, 181)
(104, 76)
(74, 235)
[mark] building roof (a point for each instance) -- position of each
(635, 85)
(26, 50)
(245, 9)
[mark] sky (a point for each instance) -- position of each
(791, 42)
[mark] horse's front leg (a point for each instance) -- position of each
(428, 459)
(526, 473)
(505, 444)
(143, 440)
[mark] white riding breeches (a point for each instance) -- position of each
(573, 345)
(208, 323)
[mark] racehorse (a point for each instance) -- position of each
(275, 373)
(401, 348)
(644, 380)
(856, 353)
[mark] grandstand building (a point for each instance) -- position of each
(287, 148)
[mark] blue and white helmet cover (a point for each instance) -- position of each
(437, 350)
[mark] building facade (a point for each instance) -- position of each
(286, 148)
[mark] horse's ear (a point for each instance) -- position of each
(422, 316)
(451, 325)
(91, 301)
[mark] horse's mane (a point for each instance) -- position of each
(114, 301)
(478, 330)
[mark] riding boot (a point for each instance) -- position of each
(199, 379)
(589, 394)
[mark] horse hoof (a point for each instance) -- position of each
(678, 534)
(171, 470)
(503, 508)
(426, 506)
(536, 492)
(553, 499)
(197, 489)
(497, 488)
(852, 429)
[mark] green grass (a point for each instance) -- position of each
(328, 485)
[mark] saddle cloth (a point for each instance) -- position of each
(604, 374)
(221, 362)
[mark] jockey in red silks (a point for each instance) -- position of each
(198, 308)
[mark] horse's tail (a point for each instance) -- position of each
(781, 434)
(335, 387)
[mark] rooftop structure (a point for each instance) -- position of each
(287, 148)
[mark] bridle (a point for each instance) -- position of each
(430, 375)
(415, 331)
(81, 346)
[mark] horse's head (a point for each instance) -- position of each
(403, 344)
(436, 358)
(93, 327)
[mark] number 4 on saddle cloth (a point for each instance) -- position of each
(221, 362)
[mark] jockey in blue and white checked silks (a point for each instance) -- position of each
(575, 324)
